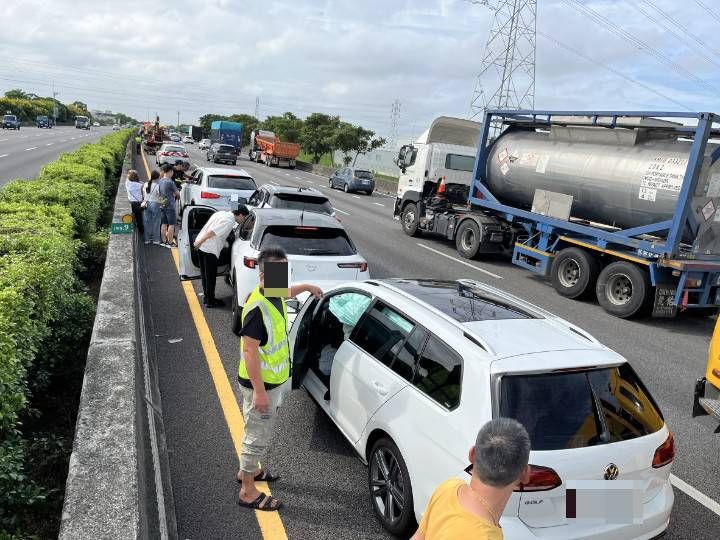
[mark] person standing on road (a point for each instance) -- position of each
(499, 464)
(151, 215)
(138, 143)
(168, 214)
(134, 189)
(263, 376)
(210, 242)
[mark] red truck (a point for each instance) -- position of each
(267, 148)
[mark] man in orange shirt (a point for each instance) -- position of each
(500, 462)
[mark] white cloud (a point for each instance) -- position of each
(346, 57)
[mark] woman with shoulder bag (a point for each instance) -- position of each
(133, 186)
(151, 203)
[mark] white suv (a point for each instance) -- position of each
(409, 370)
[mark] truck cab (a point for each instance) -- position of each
(82, 122)
(10, 121)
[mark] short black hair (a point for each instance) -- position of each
(241, 210)
(270, 254)
(502, 450)
(166, 167)
(178, 162)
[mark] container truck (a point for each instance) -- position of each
(195, 132)
(222, 131)
(267, 148)
(621, 205)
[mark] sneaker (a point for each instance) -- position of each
(215, 303)
(147, 242)
(156, 243)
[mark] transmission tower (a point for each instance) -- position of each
(507, 73)
(257, 107)
(394, 123)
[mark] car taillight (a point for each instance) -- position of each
(665, 453)
(208, 195)
(250, 262)
(541, 479)
(361, 266)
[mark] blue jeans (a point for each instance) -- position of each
(151, 218)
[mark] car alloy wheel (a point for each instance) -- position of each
(390, 488)
(346, 189)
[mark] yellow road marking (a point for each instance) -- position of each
(271, 525)
(142, 154)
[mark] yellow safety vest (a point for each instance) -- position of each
(275, 354)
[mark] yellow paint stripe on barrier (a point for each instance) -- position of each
(271, 524)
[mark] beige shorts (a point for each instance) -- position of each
(259, 426)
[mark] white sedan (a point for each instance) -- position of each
(409, 370)
(222, 189)
(171, 153)
(204, 144)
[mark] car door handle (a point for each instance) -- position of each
(379, 388)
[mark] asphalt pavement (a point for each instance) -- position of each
(24, 152)
(324, 486)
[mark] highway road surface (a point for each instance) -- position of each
(23, 153)
(324, 485)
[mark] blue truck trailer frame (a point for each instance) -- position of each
(225, 132)
(679, 277)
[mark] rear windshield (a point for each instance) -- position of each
(231, 182)
(81, 118)
(364, 174)
(319, 205)
(9, 117)
(174, 149)
(456, 162)
(580, 409)
(226, 148)
(308, 240)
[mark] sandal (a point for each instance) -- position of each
(272, 504)
(262, 476)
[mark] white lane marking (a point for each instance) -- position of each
(50, 144)
(72, 138)
(31, 148)
(288, 174)
(356, 197)
(63, 140)
(298, 177)
(4, 155)
(336, 208)
(310, 182)
(3, 140)
(274, 183)
(23, 136)
(378, 204)
(459, 261)
(700, 497)
(40, 135)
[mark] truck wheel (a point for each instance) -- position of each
(467, 239)
(410, 219)
(574, 272)
(623, 289)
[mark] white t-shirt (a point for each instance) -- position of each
(221, 223)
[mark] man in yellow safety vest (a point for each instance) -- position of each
(263, 377)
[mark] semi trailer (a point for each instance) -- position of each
(267, 148)
(225, 132)
(622, 205)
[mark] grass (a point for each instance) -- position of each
(379, 176)
(325, 160)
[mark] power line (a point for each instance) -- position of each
(394, 123)
(712, 13)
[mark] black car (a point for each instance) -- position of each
(10, 121)
(43, 122)
(222, 153)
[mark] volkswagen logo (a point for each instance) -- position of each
(310, 267)
(611, 472)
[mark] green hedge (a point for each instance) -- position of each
(44, 225)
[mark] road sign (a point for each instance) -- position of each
(121, 228)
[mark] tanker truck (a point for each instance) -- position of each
(619, 205)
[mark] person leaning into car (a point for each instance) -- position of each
(210, 242)
(263, 377)
(499, 463)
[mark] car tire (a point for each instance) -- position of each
(623, 289)
(346, 189)
(330, 183)
(369, 193)
(574, 273)
(467, 239)
(388, 481)
(236, 314)
(234, 162)
(409, 219)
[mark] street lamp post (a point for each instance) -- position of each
(55, 109)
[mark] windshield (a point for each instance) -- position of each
(301, 202)
(81, 118)
(226, 148)
(308, 240)
(456, 162)
(174, 149)
(364, 174)
(231, 182)
(9, 117)
(581, 408)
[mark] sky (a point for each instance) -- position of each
(353, 58)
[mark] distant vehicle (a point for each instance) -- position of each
(224, 132)
(267, 148)
(222, 189)
(351, 179)
(43, 122)
(195, 132)
(188, 139)
(292, 198)
(174, 137)
(96, 124)
(82, 122)
(170, 153)
(10, 121)
(116, 127)
(204, 144)
(222, 153)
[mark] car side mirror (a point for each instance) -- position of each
(293, 305)
(242, 200)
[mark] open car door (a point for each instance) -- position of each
(299, 340)
(194, 219)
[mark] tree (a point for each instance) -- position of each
(350, 138)
(318, 134)
(15, 93)
(287, 127)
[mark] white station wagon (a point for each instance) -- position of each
(409, 370)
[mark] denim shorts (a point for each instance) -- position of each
(168, 216)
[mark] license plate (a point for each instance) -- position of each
(603, 501)
(234, 197)
(496, 237)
